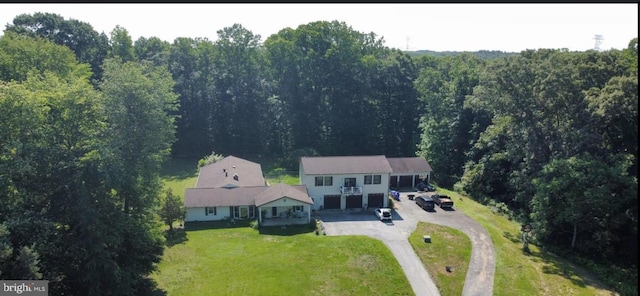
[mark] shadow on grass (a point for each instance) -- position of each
(512, 237)
(287, 230)
(180, 168)
(149, 287)
(555, 264)
(175, 237)
(205, 225)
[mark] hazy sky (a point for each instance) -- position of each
(438, 27)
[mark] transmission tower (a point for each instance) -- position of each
(599, 40)
(408, 43)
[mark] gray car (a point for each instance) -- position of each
(425, 202)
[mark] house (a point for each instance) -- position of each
(235, 188)
(358, 182)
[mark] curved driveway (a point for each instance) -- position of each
(479, 280)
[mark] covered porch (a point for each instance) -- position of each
(283, 204)
(284, 221)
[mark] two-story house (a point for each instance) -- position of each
(358, 182)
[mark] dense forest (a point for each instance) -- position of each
(547, 136)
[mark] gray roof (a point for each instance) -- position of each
(281, 190)
(327, 165)
(409, 165)
(243, 196)
(221, 197)
(220, 174)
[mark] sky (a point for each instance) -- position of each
(429, 26)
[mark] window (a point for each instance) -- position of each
(373, 179)
(324, 181)
(349, 182)
(298, 208)
(212, 210)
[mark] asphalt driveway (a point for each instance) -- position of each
(479, 280)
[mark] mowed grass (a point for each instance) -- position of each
(215, 259)
(517, 272)
(180, 174)
(448, 247)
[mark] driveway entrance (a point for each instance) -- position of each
(479, 280)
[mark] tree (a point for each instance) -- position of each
(138, 102)
(89, 46)
(191, 66)
(121, 45)
(209, 159)
(574, 197)
(238, 109)
(152, 49)
(172, 209)
(446, 125)
(19, 55)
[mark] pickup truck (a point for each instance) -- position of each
(442, 201)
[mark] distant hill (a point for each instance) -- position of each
(483, 54)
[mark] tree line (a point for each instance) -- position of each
(547, 136)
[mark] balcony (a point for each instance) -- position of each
(351, 190)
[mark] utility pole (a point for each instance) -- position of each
(599, 40)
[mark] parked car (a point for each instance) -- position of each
(425, 187)
(425, 202)
(383, 214)
(442, 201)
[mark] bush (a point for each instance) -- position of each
(209, 159)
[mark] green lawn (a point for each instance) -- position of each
(180, 174)
(517, 272)
(214, 259)
(448, 247)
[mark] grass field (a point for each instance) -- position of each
(211, 259)
(216, 259)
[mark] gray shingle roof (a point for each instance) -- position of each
(221, 197)
(281, 190)
(243, 196)
(221, 174)
(409, 164)
(327, 165)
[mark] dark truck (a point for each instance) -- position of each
(442, 201)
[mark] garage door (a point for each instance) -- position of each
(354, 201)
(375, 200)
(332, 201)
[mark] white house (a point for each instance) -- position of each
(234, 188)
(359, 182)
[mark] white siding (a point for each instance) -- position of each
(317, 193)
(198, 214)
